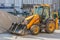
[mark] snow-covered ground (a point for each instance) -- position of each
(41, 36)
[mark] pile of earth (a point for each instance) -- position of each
(6, 19)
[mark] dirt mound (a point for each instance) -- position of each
(6, 19)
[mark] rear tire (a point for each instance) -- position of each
(35, 29)
(50, 26)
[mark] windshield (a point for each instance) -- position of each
(38, 10)
(46, 12)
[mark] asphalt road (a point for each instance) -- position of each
(41, 36)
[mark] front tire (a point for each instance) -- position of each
(35, 29)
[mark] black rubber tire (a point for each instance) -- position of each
(47, 27)
(32, 29)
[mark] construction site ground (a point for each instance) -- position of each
(41, 36)
(6, 20)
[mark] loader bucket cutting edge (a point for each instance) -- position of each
(17, 29)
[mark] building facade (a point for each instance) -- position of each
(9, 5)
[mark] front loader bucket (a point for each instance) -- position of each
(17, 28)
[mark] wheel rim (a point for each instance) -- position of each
(51, 26)
(36, 30)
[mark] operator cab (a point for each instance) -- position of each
(43, 11)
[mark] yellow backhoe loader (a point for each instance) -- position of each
(41, 19)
